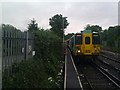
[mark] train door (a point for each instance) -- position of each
(87, 44)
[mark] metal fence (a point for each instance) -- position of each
(16, 47)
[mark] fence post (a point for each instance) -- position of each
(26, 46)
(1, 35)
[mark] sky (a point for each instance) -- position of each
(78, 14)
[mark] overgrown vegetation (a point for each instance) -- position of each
(111, 38)
(44, 70)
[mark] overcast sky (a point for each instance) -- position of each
(79, 14)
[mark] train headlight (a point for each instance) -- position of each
(78, 51)
(95, 49)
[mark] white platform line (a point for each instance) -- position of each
(76, 72)
(65, 71)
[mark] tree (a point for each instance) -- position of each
(33, 26)
(94, 28)
(104, 35)
(58, 24)
(112, 38)
(87, 27)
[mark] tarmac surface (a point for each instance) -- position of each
(72, 80)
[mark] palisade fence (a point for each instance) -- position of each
(17, 46)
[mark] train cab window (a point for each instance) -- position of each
(87, 40)
(78, 39)
(96, 39)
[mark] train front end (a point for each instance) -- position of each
(90, 44)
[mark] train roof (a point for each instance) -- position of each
(77, 33)
(87, 31)
(95, 32)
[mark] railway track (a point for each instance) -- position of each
(114, 63)
(108, 64)
(109, 67)
(97, 76)
(110, 58)
(110, 76)
(94, 77)
(111, 55)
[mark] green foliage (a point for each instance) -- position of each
(8, 27)
(94, 28)
(48, 47)
(112, 38)
(104, 35)
(28, 74)
(46, 41)
(33, 26)
(34, 73)
(58, 24)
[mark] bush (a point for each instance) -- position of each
(41, 71)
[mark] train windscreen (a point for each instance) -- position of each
(87, 40)
(78, 39)
(96, 39)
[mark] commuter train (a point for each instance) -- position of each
(85, 44)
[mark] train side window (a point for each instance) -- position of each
(72, 42)
(96, 39)
(78, 39)
(87, 40)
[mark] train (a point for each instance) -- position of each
(86, 44)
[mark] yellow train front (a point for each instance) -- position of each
(85, 44)
(90, 44)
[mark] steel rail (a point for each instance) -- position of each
(91, 87)
(113, 67)
(110, 58)
(112, 78)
